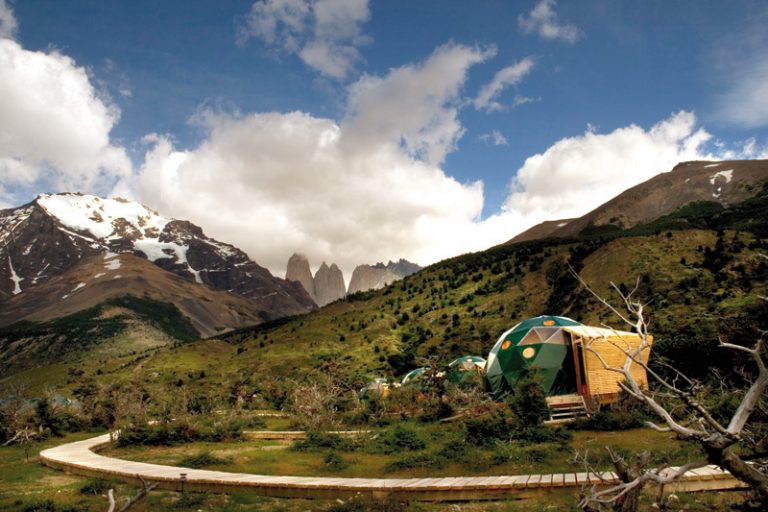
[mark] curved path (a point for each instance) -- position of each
(80, 458)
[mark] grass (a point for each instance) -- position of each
(24, 485)
(436, 459)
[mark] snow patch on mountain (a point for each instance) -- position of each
(112, 264)
(156, 250)
(97, 215)
(728, 175)
(15, 278)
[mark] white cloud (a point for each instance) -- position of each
(578, 173)
(54, 127)
(487, 98)
(8, 24)
(745, 103)
(415, 106)
(278, 183)
(495, 137)
(542, 20)
(738, 61)
(325, 34)
(359, 191)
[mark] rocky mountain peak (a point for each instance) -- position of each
(298, 270)
(329, 284)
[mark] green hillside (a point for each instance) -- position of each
(701, 277)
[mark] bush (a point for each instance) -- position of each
(50, 506)
(182, 432)
(624, 414)
(421, 460)
(317, 441)
(486, 431)
(518, 453)
(96, 486)
(335, 462)
(203, 459)
(529, 402)
(401, 439)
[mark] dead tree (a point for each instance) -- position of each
(717, 439)
(130, 502)
(23, 437)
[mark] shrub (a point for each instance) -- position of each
(401, 439)
(529, 402)
(317, 441)
(203, 459)
(518, 453)
(96, 486)
(334, 461)
(182, 432)
(421, 460)
(486, 431)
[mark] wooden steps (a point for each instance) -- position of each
(566, 408)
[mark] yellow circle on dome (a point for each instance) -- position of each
(529, 352)
(505, 345)
(549, 322)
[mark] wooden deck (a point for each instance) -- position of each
(80, 458)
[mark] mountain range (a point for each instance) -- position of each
(327, 285)
(57, 236)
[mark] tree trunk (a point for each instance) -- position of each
(726, 459)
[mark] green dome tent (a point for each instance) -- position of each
(459, 368)
(538, 343)
(414, 375)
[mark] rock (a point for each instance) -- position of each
(298, 270)
(329, 284)
(369, 277)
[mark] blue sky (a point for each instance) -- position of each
(446, 123)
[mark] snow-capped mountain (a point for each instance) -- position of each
(50, 235)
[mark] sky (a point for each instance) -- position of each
(357, 131)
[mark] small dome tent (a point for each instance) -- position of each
(567, 355)
(459, 368)
(414, 375)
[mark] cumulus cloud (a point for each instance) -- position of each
(356, 191)
(487, 98)
(325, 34)
(371, 188)
(8, 25)
(578, 173)
(275, 183)
(494, 137)
(54, 127)
(415, 106)
(543, 20)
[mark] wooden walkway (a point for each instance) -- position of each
(80, 458)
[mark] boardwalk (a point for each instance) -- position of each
(80, 458)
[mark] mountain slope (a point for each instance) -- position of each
(100, 284)
(727, 183)
(50, 235)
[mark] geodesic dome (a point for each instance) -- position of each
(459, 368)
(414, 375)
(539, 343)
